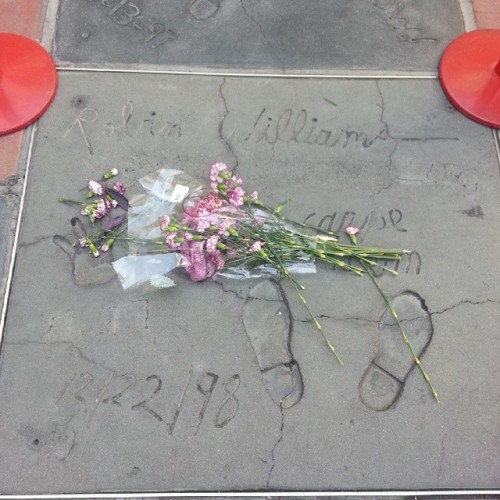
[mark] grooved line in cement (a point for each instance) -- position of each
(468, 15)
(346, 76)
(496, 135)
(16, 236)
(296, 494)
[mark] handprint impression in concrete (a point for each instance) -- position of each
(86, 269)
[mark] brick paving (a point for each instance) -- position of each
(23, 17)
(487, 14)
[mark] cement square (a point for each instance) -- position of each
(107, 391)
(282, 35)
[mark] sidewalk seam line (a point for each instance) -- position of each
(353, 76)
(260, 494)
(468, 16)
(10, 273)
(47, 38)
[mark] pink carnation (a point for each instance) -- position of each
(236, 196)
(101, 209)
(214, 171)
(351, 230)
(169, 241)
(202, 223)
(256, 246)
(211, 243)
(217, 259)
(197, 267)
(164, 222)
(119, 187)
(222, 229)
(96, 188)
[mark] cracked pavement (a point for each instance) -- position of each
(107, 391)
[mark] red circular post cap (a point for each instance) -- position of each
(28, 81)
(469, 73)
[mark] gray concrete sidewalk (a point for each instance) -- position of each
(179, 390)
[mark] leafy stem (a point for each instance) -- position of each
(394, 314)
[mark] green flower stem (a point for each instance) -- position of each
(279, 264)
(401, 330)
(405, 338)
(311, 314)
(266, 208)
(72, 202)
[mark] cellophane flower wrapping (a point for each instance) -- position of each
(170, 192)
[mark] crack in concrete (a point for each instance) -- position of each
(228, 290)
(337, 318)
(386, 128)
(62, 342)
(382, 111)
(34, 242)
(273, 461)
(405, 320)
(221, 126)
(389, 169)
(464, 302)
(146, 315)
(261, 30)
(12, 186)
(403, 138)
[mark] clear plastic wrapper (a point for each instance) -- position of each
(242, 272)
(166, 189)
(147, 270)
(148, 263)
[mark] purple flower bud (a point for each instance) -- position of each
(351, 230)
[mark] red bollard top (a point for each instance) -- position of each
(28, 81)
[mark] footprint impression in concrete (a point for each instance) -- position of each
(384, 379)
(267, 322)
(203, 9)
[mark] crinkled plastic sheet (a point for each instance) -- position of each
(147, 265)
(166, 189)
(146, 271)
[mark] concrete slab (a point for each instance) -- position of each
(282, 35)
(8, 203)
(107, 391)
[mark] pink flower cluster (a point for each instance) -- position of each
(99, 203)
(199, 247)
(97, 209)
(229, 186)
(202, 234)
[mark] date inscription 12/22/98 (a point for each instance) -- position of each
(142, 396)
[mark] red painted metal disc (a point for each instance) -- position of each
(28, 81)
(469, 72)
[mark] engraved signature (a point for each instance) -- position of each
(292, 126)
(87, 120)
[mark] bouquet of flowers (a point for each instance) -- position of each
(222, 228)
